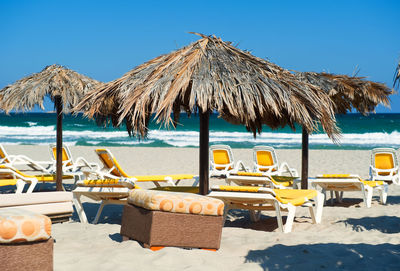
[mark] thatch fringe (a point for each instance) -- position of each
(349, 92)
(52, 80)
(211, 75)
(397, 76)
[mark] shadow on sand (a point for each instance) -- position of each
(111, 214)
(330, 256)
(385, 224)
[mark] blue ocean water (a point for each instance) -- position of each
(359, 132)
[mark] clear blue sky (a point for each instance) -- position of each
(105, 39)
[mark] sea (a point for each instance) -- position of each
(358, 132)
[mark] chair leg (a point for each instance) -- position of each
(290, 218)
(367, 195)
(196, 181)
(96, 219)
(255, 215)
(279, 216)
(32, 185)
(20, 186)
(383, 190)
(319, 206)
(332, 197)
(79, 208)
(170, 181)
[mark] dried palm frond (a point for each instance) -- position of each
(397, 76)
(52, 80)
(349, 92)
(211, 75)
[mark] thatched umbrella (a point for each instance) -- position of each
(210, 75)
(347, 93)
(65, 87)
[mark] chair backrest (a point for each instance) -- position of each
(384, 158)
(3, 154)
(66, 154)
(221, 155)
(264, 156)
(109, 162)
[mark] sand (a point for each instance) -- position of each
(350, 237)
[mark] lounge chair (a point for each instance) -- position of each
(222, 161)
(265, 160)
(8, 176)
(108, 191)
(70, 165)
(13, 173)
(22, 160)
(112, 170)
(384, 165)
(260, 179)
(261, 198)
(348, 182)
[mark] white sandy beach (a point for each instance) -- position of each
(350, 237)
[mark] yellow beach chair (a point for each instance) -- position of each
(384, 165)
(112, 170)
(9, 177)
(22, 160)
(108, 191)
(222, 161)
(43, 178)
(261, 198)
(348, 182)
(260, 179)
(265, 160)
(70, 165)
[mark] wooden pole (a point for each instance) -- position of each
(203, 151)
(59, 107)
(304, 160)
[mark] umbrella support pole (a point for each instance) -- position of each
(304, 160)
(203, 151)
(59, 107)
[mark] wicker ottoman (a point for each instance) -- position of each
(159, 219)
(25, 241)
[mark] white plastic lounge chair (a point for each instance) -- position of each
(108, 191)
(265, 160)
(384, 165)
(260, 179)
(112, 170)
(22, 160)
(42, 178)
(69, 165)
(261, 198)
(8, 176)
(113, 191)
(222, 161)
(348, 182)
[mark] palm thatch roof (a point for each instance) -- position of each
(52, 80)
(209, 75)
(397, 76)
(349, 92)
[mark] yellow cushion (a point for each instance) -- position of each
(221, 157)
(108, 183)
(251, 174)
(239, 188)
(294, 196)
(336, 175)
(285, 181)
(18, 226)
(5, 182)
(384, 161)
(49, 177)
(176, 202)
(372, 183)
(264, 158)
